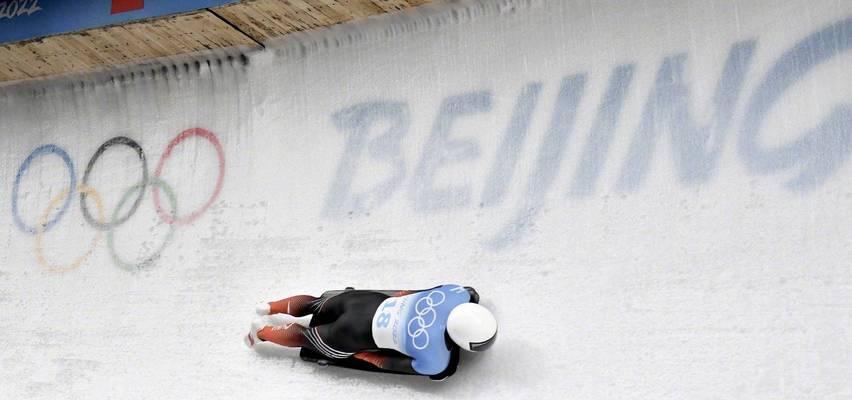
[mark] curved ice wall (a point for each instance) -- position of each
(655, 197)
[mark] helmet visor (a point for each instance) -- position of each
(482, 346)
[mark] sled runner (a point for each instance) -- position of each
(354, 363)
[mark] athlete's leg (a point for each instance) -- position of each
(289, 336)
(297, 306)
(342, 324)
(352, 331)
(266, 329)
(326, 339)
(348, 335)
(281, 325)
(336, 340)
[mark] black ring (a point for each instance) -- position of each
(141, 153)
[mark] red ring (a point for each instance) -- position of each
(169, 219)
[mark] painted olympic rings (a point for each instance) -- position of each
(425, 307)
(209, 136)
(141, 154)
(72, 184)
(39, 250)
(100, 223)
(114, 221)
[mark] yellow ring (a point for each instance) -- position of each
(39, 251)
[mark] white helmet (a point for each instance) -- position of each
(472, 327)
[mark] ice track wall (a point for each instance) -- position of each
(655, 197)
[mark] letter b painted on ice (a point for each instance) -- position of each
(357, 123)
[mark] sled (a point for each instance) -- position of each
(354, 363)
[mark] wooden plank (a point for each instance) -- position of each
(266, 19)
(27, 60)
(353, 11)
(9, 70)
(181, 34)
(83, 50)
(119, 45)
(55, 56)
(393, 5)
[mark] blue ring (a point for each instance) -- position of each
(38, 152)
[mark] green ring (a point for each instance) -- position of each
(153, 257)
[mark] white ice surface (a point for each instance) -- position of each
(710, 275)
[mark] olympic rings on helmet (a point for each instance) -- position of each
(101, 224)
(39, 251)
(425, 306)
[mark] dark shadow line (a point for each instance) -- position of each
(237, 28)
